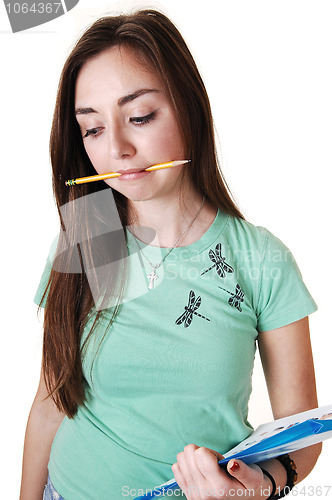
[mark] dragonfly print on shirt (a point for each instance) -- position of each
(235, 298)
(218, 262)
(193, 304)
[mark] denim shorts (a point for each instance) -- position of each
(50, 492)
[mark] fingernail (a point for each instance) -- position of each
(234, 467)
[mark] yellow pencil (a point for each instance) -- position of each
(110, 175)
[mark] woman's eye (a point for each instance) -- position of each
(92, 132)
(136, 120)
(142, 120)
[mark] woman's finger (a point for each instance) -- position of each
(188, 465)
(207, 463)
(179, 477)
(251, 477)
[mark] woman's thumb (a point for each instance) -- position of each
(233, 467)
(249, 476)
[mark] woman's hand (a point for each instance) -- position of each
(199, 476)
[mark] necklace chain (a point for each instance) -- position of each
(153, 276)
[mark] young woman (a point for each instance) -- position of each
(147, 364)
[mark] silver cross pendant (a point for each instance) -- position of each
(152, 276)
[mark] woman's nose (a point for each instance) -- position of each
(120, 145)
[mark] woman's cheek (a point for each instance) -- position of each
(165, 145)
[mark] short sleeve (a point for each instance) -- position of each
(283, 296)
(46, 274)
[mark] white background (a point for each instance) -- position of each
(267, 69)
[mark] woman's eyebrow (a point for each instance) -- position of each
(84, 111)
(133, 95)
(121, 102)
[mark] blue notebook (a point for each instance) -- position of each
(270, 440)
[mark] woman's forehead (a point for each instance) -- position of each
(119, 67)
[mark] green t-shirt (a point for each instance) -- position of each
(176, 365)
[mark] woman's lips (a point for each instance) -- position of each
(133, 175)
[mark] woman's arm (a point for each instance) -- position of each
(289, 370)
(43, 423)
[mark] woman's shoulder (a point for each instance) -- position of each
(247, 235)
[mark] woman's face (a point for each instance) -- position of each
(128, 123)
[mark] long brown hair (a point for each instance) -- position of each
(69, 301)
